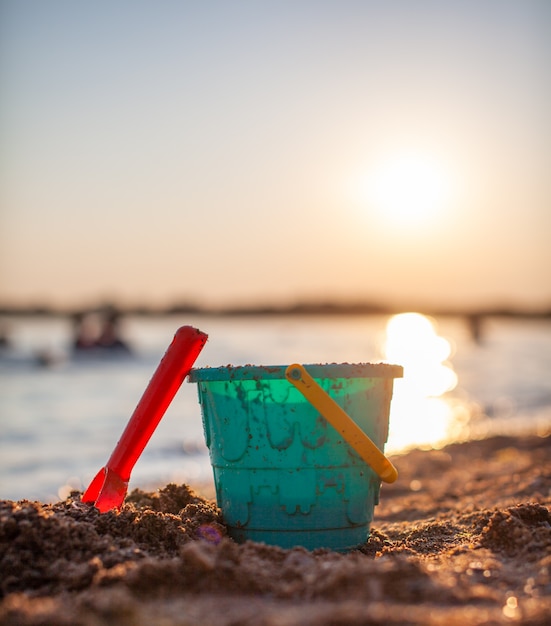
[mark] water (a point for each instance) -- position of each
(59, 424)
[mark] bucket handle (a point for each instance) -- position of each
(342, 422)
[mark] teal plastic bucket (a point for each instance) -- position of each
(283, 474)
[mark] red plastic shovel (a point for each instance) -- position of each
(108, 489)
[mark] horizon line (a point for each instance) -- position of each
(296, 308)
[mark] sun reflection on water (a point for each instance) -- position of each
(420, 414)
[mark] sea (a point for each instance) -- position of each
(60, 416)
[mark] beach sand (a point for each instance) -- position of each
(463, 538)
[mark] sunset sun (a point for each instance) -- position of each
(406, 189)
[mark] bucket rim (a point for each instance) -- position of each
(316, 370)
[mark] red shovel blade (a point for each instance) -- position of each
(108, 489)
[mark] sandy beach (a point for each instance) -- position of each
(462, 538)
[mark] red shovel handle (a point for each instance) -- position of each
(170, 374)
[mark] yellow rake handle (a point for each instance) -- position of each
(346, 426)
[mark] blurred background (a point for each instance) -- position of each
(292, 177)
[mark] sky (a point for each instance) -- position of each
(249, 151)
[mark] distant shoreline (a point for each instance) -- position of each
(296, 309)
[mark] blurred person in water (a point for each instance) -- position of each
(89, 334)
(109, 336)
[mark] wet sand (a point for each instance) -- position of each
(463, 538)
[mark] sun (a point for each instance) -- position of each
(406, 189)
